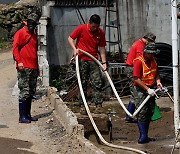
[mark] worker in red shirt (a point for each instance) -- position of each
(25, 54)
(90, 38)
(146, 78)
(135, 51)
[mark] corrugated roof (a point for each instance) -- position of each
(87, 3)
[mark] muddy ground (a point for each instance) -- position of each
(127, 134)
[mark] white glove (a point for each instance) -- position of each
(151, 92)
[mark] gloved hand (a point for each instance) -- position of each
(159, 85)
(151, 92)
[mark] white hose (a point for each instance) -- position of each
(114, 89)
(142, 104)
(88, 111)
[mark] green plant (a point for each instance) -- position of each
(5, 44)
(61, 76)
(1, 45)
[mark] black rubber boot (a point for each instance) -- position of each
(22, 115)
(131, 109)
(143, 130)
(28, 110)
(150, 138)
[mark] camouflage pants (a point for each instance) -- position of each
(147, 110)
(129, 72)
(90, 71)
(27, 81)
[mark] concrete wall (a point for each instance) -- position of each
(137, 17)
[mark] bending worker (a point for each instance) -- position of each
(146, 77)
(135, 51)
(90, 38)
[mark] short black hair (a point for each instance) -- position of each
(95, 19)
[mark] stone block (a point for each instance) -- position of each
(43, 40)
(53, 98)
(42, 30)
(43, 20)
(100, 121)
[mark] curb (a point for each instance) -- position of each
(69, 120)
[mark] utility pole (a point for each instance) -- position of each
(175, 64)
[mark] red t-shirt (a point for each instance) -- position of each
(88, 41)
(25, 54)
(135, 51)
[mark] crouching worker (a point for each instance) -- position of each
(25, 55)
(146, 78)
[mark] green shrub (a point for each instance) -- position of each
(5, 44)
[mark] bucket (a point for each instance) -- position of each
(157, 114)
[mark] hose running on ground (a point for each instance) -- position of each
(88, 111)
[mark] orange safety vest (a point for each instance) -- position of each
(149, 73)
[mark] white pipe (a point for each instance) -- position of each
(142, 104)
(114, 89)
(175, 64)
(92, 120)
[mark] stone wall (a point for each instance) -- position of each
(11, 17)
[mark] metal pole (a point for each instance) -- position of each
(175, 64)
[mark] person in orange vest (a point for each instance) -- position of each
(135, 51)
(146, 78)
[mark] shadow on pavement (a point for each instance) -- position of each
(4, 126)
(13, 146)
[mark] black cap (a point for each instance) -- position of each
(151, 48)
(34, 17)
(150, 36)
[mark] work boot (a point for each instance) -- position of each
(28, 110)
(99, 109)
(131, 109)
(143, 130)
(22, 115)
(150, 138)
(82, 110)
